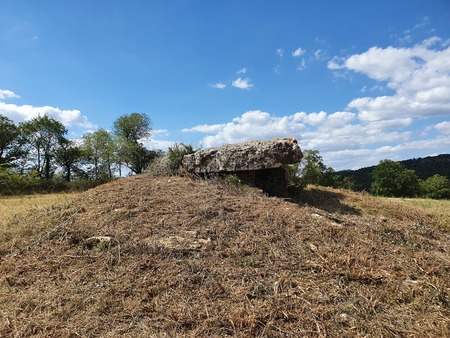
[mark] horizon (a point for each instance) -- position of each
(359, 83)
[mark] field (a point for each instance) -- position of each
(16, 209)
(166, 257)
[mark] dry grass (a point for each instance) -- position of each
(191, 258)
(19, 210)
(440, 209)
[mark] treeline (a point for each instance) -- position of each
(423, 167)
(388, 178)
(38, 156)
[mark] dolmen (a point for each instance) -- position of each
(256, 163)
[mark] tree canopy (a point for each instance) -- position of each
(10, 145)
(312, 170)
(43, 135)
(391, 179)
(130, 130)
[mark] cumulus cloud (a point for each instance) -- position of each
(7, 94)
(419, 76)
(443, 127)
(242, 71)
(298, 52)
(252, 125)
(242, 83)
(21, 113)
(280, 52)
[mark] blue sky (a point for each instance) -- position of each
(360, 81)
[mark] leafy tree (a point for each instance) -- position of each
(100, 150)
(135, 156)
(312, 170)
(69, 156)
(391, 179)
(436, 186)
(130, 130)
(43, 135)
(133, 127)
(10, 146)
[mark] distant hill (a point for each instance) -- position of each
(424, 168)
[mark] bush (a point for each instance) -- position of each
(436, 187)
(176, 154)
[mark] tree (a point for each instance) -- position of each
(436, 186)
(130, 130)
(69, 156)
(100, 150)
(135, 156)
(10, 144)
(133, 127)
(43, 135)
(312, 170)
(391, 179)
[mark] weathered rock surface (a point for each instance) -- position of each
(247, 156)
(258, 163)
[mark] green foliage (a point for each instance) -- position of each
(69, 156)
(176, 154)
(423, 167)
(36, 156)
(133, 127)
(135, 156)
(312, 170)
(233, 179)
(130, 130)
(100, 150)
(13, 183)
(10, 146)
(43, 135)
(391, 179)
(437, 187)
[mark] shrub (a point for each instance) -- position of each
(176, 154)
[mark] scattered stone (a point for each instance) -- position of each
(98, 241)
(187, 240)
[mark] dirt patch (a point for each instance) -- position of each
(178, 257)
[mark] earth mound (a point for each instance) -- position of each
(171, 256)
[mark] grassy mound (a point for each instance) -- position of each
(151, 257)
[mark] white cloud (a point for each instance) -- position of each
(204, 128)
(420, 77)
(242, 71)
(336, 63)
(160, 132)
(319, 55)
(21, 113)
(7, 94)
(372, 88)
(242, 83)
(218, 85)
(298, 52)
(302, 65)
(158, 144)
(443, 127)
(280, 52)
(252, 125)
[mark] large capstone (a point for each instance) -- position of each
(257, 163)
